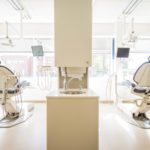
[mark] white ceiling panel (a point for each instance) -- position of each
(106, 11)
(40, 10)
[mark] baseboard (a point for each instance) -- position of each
(106, 101)
(34, 101)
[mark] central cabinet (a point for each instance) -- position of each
(72, 121)
(73, 33)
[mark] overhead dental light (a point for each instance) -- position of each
(132, 36)
(8, 40)
(131, 7)
(18, 6)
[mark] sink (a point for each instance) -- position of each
(72, 92)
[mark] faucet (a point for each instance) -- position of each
(65, 79)
(70, 80)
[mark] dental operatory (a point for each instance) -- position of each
(74, 74)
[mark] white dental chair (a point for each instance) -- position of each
(141, 88)
(13, 112)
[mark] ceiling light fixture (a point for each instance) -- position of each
(26, 15)
(131, 7)
(132, 36)
(16, 4)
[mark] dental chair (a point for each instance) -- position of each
(12, 110)
(141, 88)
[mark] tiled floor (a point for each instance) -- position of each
(117, 134)
(30, 135)
(114, 132)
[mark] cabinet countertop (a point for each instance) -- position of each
(87, 93)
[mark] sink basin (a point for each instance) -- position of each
(72, 92)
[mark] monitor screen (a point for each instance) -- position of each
(123, 52)
(37, 50)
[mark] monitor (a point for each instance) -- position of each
(123, 52)
(37, 50)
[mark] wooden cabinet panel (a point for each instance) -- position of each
(73, 33)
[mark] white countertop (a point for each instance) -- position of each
(87, 93)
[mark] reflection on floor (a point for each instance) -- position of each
(30, 135)
(117, 134)
(126, 112)
(34, 94)
(114, 132)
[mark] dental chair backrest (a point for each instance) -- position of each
(142, 75)
(6, 75)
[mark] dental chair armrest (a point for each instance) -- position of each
(22, 84)
(133, 85)
(129, 84)
(140, 90)
(137, 89)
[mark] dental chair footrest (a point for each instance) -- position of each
(140, 116)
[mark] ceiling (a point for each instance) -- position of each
(40, 11)
(110, 10)
(105, 11)
(142, 12)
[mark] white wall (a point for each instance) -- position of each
(29, 29)
(47, 29)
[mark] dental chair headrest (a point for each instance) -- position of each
(142, 75)
(6, 72)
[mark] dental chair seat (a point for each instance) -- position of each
(141, 88)
(11, 91)
(13, 110)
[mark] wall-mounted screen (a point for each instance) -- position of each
(37, 50)
(123, 52)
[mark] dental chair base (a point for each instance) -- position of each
(140, 114)
(141, 121)
(141, 117)
(15, 118)
(14, 112)
(11, 109)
